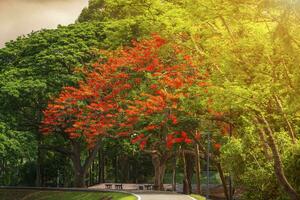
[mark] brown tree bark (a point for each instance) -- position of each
(185, 177)
(289, 125)
(174, 174)
(159, 171)
(79, 179)
(101, 164)
(278, 167)
(79, 169)
(198, 170)
(38, 178)
(219, 167)
(264, 144)
(188, 166)
(223, 180)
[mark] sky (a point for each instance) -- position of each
(20, 17)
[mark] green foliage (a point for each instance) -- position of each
(251, 51)
(32, 70)
(245, 160)
(35, 67)
(137, 18)
(249, 169)
(233, 157)
(292, 165)
(16, 148)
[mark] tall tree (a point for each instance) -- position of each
(135, 93)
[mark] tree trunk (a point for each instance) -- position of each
(198, 170)
(185, 181)
(79, 178)
(123, 169)
(38, 179)
(90, 173)
(278, 163)
(264, 144)
(220, 170)
(289, 125)
(103, 168)
(174, 174)
(81, 171)
(188, 164)
(159, 171)
(116, 166)
(99, 166)
(2, 170)
(101, 163)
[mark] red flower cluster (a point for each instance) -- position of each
(177, 137)
(133, 86)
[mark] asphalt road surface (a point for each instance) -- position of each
(154, 196)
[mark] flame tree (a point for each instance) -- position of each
(138, 92)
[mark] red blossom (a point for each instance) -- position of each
(217, 146)
(103, 100)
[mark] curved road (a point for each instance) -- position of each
(145, 194)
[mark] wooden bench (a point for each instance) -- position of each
(148, 187)
(119, 186)
(108, 186)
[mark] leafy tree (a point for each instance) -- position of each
(136, 93)
(252, 70)
(35, 67)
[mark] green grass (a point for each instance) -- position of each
(198, 197)
(61, 195)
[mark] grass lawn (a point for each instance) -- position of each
(198, 197)
(61, 195)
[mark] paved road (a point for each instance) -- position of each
(153, 196)
(147, 194)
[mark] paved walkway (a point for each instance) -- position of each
(147, 194)
(155, 196)
(133, 186)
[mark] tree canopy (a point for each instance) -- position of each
(226, 67)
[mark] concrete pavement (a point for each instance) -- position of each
(156, 196)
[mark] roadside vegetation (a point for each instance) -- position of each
(63, 195)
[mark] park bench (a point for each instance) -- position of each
(148, 187)
(141, 187)
(108, 186)
(119, 186)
